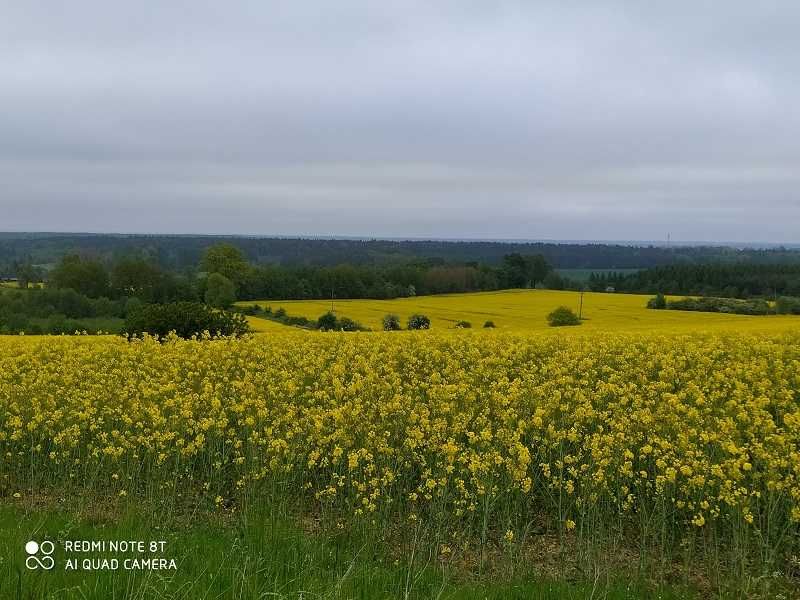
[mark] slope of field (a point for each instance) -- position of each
(264, 325)
(528, 309)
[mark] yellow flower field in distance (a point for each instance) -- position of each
(264, 325)
(527, 310)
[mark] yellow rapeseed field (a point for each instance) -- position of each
(527, 310)
(659, 435)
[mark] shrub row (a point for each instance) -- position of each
(326, 322)
(718, 305)
(186, 319)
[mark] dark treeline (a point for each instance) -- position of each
(225, 269)
(80, 287)
(416, 278)
(730, 281)
(182, 253)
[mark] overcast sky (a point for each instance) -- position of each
(563, 120)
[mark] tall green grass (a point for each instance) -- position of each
(261, 555)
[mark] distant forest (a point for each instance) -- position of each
(60, 284)
(183, 253)
(726, 280)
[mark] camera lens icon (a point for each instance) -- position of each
(39, 555)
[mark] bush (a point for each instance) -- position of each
(345, 324)
(786, 305)
(721, 305)
(251, 310)
(659, 302)
(419, 322)
(563, 316)
(186, 319)
(297, 321)
(489, 325)
(327, 322)
(463, 325)
(391, 323)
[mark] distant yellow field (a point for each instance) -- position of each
(264, 325)
(15, 286)
(527, 310)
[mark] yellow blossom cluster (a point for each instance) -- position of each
(698, 429)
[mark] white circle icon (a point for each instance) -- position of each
(37, 561)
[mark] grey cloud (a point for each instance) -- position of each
(613, 120)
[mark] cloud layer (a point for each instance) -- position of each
(613, 120)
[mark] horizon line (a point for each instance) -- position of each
(345, 237)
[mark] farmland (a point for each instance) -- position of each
(526, 310)
(447, 457)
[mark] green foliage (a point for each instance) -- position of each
(220, 291)
(51, 310)
(520, 271)
(418, 321)
(253, 310)
(489, 325)
(721, 305)
(463, 325)
(786, 305)
(658, 302)
(347, 324)
(391, 323)
(186, 319)
(563, 316)
(227, 260)
(28, 274)
(745, 280)
(179, 253)
(138, 278)
(327, 322)
(279, 316)
(555, 281)
(85, 276)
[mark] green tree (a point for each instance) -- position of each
(28, 274)
(515, 270)
(524, 271)
(554, 281)
(86, 276)
(227, 260)
(220, 291)
(136, 277)
(537, 268)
